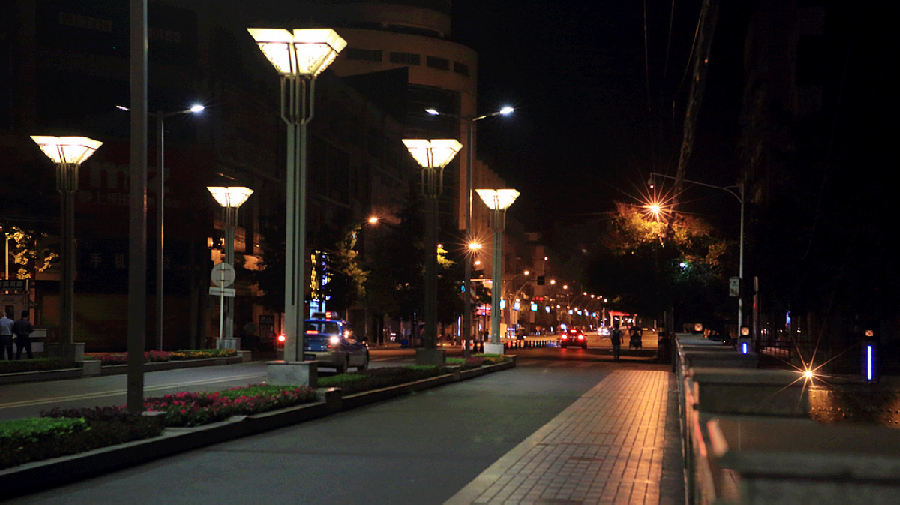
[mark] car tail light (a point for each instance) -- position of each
(580, 337)
(281, 339)
(565, 337)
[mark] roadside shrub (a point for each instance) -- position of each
(377, 378)
(61, 432)
(34, 365)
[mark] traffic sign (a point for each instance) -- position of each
(222, 275)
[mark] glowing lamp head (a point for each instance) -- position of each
(433, 153)
(507, 110)
(67, 150)
(808, 374)
(498, 198)
(230, 197)
(373, 220)
(301, 52)
(197, 108)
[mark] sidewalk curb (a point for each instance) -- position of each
(42, 475)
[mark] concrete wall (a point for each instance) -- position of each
(749, 438)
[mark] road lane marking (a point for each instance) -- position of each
(102, 394)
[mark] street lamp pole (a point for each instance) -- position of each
(230, 198)
(740, 197)
(160, 192)
(299, 57)
(433, 156)
(67, 153)
(470, 161)
(498, 200)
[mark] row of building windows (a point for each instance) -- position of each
(402, 58)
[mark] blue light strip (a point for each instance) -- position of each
(744, 348)
(869, 362)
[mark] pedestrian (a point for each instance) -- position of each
(616, 338)
(6, 334)
(22, 330)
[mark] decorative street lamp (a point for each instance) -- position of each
(298, 56)
(433, 156)
(68, 153)
(470, 160)
(161, 191)
(230, 199)
(498, 200)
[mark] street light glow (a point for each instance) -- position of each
(70, 150)
(507, 110)
(305, 52)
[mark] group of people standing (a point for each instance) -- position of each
(20, 329)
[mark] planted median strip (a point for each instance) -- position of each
(68, 432)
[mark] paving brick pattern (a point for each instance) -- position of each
(607, 447)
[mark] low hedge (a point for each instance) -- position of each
(63, 432)
(35, 365)
(377, 378)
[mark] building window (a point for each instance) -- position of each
(354, 53)
(438, 63)
(406, 58)
(461, 68)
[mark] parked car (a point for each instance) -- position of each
(573, 336)
(331, 343)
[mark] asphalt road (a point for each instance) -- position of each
(418, 449)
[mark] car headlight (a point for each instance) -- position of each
(335, 340)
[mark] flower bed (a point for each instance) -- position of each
(163, 356)
(194, 409)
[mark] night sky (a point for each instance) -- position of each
(590, 125)
(587, 129)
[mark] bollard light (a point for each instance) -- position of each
(870, 357)
(744, 340)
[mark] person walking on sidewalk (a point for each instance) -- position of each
(22, 330)
(615, 337)
(6, 335)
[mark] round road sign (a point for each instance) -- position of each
(222, 275)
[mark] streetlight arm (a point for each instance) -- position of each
(728, 189)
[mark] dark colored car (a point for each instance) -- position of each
(573, 337)
(331, 343)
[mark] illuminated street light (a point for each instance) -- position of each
(230, 198)
(67, 153)
(470, 160)
(298, 56)
(432, 156)
(498, 200)
(740, 197)
(160, 191)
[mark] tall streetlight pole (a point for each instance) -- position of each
(740, 197)
(67, 153)
(160, 192)
(298, 56)
(498, 200)
(470, 160)
(433, 156)
(230, 198)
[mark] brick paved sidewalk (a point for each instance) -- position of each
(619, 443)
